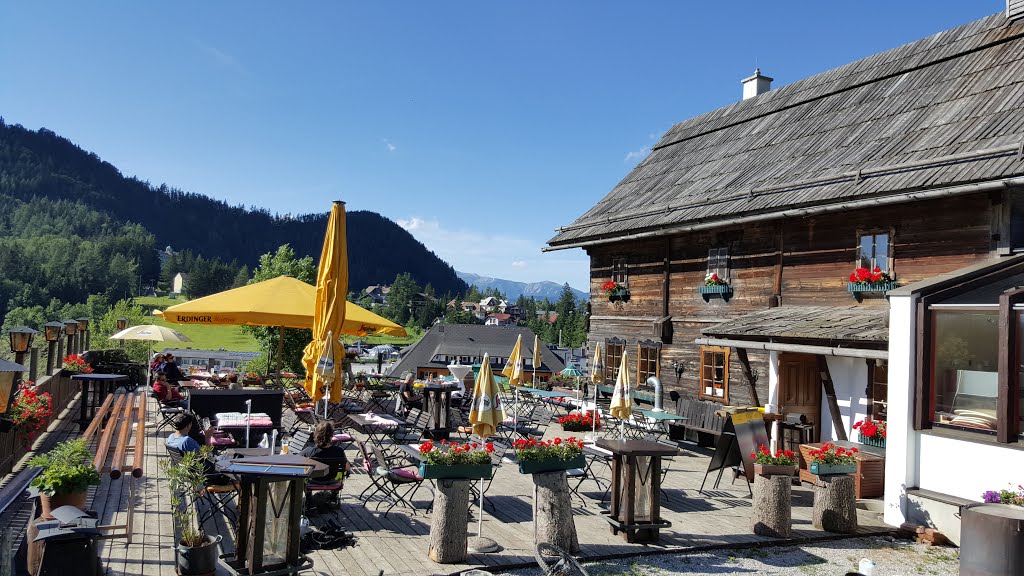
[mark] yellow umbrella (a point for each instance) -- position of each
(282, 301)
(329, 309)
(487, 413)
(622, 403)
(538, 359)
(596, 369)
(514, 367)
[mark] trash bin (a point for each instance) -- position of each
(992, 540)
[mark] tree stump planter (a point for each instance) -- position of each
(552, 512)
(449, 530)
(773, 505)
(835, 504)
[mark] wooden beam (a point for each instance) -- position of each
(741, 353)
(869, 390)
(777, 277)
(830, 395)
(1009, 387)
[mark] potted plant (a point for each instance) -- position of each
(864, 280)
(831, 459)
(453, 460)
(549, 455)
(580, 422)
(197, 553)
(714, 285)
(75, 364)
(615, 292)
(30, 412)
(782, 463)
(871, 432)
(66, 472)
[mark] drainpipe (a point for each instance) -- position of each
(653, 381)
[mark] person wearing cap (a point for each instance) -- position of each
(156, 361)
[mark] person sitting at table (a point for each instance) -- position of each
(410, 398)
(167, 394)
(184, 439)
(324, 450)
(170, 367)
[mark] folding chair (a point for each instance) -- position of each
(168, 410)
(297, 442)
(333, 488)
(219, 492)
(305, 416)
(397, 484)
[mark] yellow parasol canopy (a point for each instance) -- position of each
(282, 301)
(596, 375)
(622, 404)
(329, 309)
(487, 413)
(514, 367)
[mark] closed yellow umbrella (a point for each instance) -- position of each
(487, 412)
(329, 307)
(538, 358)
(596, 369)
(622, 403)
(514, 367)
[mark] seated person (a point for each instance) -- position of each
(165, 393)
(169, 367)
(325, 451)
(409, 398)
(180, 438)
(156, 362)
(233, 383)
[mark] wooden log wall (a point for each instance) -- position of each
(796, 261)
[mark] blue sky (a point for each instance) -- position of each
(478, 126)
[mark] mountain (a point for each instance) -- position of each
(512, 289)
(41, 172)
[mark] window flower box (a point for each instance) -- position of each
(830, 460)
(615, 292)
(876, 442)
(456, 471)
(551, 465)
(863, 281)
(723, 291)
(822, 469)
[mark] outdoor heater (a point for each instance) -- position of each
(21, 340)
(51, 331)
(70, 329)
(83, 337)
(10, 377)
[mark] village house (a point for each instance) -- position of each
(489, 304)
(726, 257)
(378, 293)
(499, 320)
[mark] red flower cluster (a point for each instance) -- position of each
(875, 276)
(780, 458)
(713, 279)
(558, 448)
(579, 422)
(448, 453)
(870, 428)
(608, 286)
(31, 411)
(75, 364)
(829, 453)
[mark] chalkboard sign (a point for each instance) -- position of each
(742, 433)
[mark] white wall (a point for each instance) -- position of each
(966, 469)
(849, 376)
(901, 453)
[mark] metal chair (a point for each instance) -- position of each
(219, 492)
(397, 484)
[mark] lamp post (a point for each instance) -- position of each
(70, 329)
(21, 340)
(10, 377)
(51, 331)
(83, 337)
(122, 323)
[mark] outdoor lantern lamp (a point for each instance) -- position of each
(70, 329)
(21, 340)
(122, 323)
(52, 332)
(83, 324)
(10, 375)
(83, 336)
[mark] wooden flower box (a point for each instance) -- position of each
(551, 465)
(456, 471)
(775, 469)
(723, 291)
(822, 469)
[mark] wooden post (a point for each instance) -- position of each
(6, 552)
(741, 353)
(51, 352)
(835, 504)
(552, 512)
(33, 363)
(830, 395)
(449, 530)
(59, 360)
(772, 506)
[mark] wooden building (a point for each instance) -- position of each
(909, 161)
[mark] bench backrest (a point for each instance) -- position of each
(701, 415)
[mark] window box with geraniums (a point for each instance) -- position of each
(615, 292)
(715, 286)
(864, 280)
(549, 455)
(831, 460)
(66, 472)
(580, 422)
(452, 460)
(782, 463)
(30, 412)
(871, 432)
(75, 364)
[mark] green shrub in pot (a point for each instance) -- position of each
(66, 469)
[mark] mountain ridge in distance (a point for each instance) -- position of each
(513, 289)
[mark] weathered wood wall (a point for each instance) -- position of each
(803, 261)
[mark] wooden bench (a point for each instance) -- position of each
(110, 436)
(701, 417)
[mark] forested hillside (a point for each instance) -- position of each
(73, 225)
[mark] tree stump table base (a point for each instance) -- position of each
(772, 507)
(449, 531)
(552, 512)
(835, 504)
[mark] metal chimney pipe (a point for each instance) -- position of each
(654, 382)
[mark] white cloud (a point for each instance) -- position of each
(636, 155)
(387, 144)
(489, 252)
(219, 56)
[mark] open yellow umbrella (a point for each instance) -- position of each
(329, 308)
(622, 403)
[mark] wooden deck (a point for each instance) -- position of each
(398, 543)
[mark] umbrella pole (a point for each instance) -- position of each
(280, 351)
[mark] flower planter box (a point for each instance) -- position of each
(877, 442)
(822, 469)
(774, 470)
(619, 296)
(723, 291)
(578, 428)
(551, 465)
(456, 471)
(857, 289)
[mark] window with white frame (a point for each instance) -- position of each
(718, 262)
(874, 250)
(620, 272)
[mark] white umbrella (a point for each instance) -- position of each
(151, 333)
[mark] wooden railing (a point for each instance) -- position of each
(15, 444)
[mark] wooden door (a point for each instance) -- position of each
(800, 388)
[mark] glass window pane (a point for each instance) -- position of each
(867, 246)
(882, 251)
(965, 376)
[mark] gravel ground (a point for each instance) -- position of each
(891, 557)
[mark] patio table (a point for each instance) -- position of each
(100, 385)
(376, 426)
(382, 390)
(661, 419)
(636, 488)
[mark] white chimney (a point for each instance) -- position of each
(756, 85)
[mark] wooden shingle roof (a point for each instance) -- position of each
(866, 325)
(942, 111)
